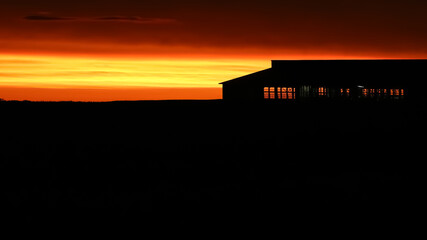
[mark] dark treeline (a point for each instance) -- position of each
(87, 161)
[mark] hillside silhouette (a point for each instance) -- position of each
(96, 162)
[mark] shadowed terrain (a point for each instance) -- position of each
(99, 162)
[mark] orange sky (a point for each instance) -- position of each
(97, 50)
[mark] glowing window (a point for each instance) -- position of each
(287, 93)
(364, 92)
(345, 91)
(266, 93)
(322, 91)
(272, 92)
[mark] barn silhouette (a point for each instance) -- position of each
(290, 80)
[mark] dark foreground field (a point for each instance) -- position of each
(258, 163)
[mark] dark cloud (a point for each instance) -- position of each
(48, 18)
(135, 19)
(128, 19)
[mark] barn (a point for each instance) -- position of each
(291, 80)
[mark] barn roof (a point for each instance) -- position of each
(256, 76)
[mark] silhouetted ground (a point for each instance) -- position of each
(124, 162)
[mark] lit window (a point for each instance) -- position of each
(283, 93)
(383, 93)
(272, 93)
(286, 93)
(266, 93)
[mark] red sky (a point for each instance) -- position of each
(192, 44)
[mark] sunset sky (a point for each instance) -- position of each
(98, 50)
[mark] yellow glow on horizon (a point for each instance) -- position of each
(62, 77)
(105, 73)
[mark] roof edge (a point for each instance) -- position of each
(245, 76)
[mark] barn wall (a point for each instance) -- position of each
(241, 92)
(358, 76)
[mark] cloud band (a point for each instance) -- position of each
(128, 19)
